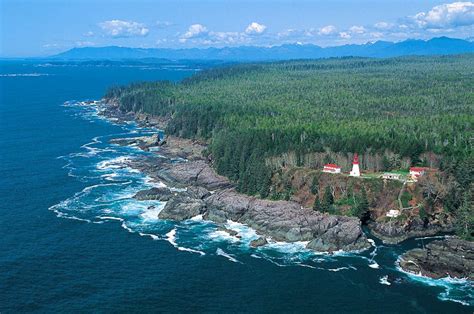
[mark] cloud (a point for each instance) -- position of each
(383, 26)
(255, 28)
(84, 44)
(345, 35)
(89, 34)
(194, 31)
(357, 29)
(446, 15)
(327, 30)
(119, 28)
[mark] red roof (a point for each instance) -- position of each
(417, 169)
(331, 166)
(356, 159)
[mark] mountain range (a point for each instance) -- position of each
(380, 49)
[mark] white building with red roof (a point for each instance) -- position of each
(331, 168)
(417, 172)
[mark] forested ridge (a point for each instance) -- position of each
(404, 107)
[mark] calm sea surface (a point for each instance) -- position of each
(72, 239)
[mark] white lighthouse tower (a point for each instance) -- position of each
(355, 167)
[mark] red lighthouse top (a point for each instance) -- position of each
(356, 159)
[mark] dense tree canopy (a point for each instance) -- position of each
(250, 112)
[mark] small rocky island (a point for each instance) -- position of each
(451, 257)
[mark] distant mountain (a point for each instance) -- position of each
(435, 46)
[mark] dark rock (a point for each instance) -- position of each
(158, 194)
(197, 192)
(395, 231)
(287, 221)
(196, 172)
(230, 231)
(449, 257)
(181, 208)
(258, 242)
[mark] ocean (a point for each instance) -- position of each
(74, 239)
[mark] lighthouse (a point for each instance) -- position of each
(355, 167)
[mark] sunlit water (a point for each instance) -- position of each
(73, 238)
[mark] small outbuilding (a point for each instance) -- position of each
(391, 176)
(417, 172)
(331, 168)
(393, 213)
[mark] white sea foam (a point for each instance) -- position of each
(384, 280)
(171, 238)
(289, 247)
(24, 74)
(197, 218)
(374, 265)
(338, 269)
(114, 163)
(221, 235)
(433, 237)
(245, 233)
(152, 211)
(153, 236)
(124, 225)
(230, 257)
(110, 218)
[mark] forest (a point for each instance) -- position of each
(396, 113)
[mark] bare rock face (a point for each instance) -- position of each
(449, 257)
(287, 221)
(258, 242)
(196, 172)
(162, 194)
(181, 208)
(394, 232)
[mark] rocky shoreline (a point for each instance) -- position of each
(451, 257)
(194, 188)
(394, 232)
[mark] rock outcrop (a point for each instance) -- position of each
(280, 220)
(449, 257)
(182, 207)
(194, 173)
(393, 232)
(157, 194)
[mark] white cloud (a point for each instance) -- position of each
(327, 30)
(89, 34)
(446, 15)
(344, 35)
(383, 25)
(84, 44)
(255, 28)
(119, 28)
(194, 31)
(357, 29)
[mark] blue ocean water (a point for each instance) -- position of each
(72, 239)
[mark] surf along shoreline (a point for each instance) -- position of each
(193, 189)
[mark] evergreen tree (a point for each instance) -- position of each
(465, 216)
(361, 210)
(317, 204)
(328, 200)
(314, 185)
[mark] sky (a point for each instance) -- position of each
(46, 27)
